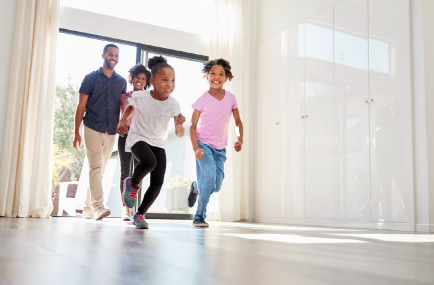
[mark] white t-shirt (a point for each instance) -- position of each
(151, 118)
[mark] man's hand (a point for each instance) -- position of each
(77, 141)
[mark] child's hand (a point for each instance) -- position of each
(238, 145)
(122, 128)
(179, 120)
(198, 152)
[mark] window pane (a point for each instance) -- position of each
(181, 165)
(76, 57)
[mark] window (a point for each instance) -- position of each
(77, 55)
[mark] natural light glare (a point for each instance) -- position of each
(293, 238)
(187, 15)
(349, 50)
(411, 238)
(288, 228)
(78, 56)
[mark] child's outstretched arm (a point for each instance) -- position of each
(123, 126)
(194, 120)
(179, 128)
(239, 143)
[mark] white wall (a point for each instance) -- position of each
(7, 23)
(123, 29)
(388, 201)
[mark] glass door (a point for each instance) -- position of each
(181, 165)
(76, 57)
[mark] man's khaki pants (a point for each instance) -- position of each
(99, 147)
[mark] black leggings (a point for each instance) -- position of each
(127, 160)
(151, 160)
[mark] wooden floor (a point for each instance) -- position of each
(75, 251)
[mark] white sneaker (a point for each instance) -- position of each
(87, 213)
(101, 213)
(127, 214)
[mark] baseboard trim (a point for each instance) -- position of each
(425, 228)
(169, 216)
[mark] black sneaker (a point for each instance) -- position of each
(192, 197)
(200, 223)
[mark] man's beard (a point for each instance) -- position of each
(107, 63)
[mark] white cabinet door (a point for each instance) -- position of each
(390, 89)
(319, 124)
(292, 104)
(268, 178)
(352, 172)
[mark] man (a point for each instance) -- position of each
(99, 99)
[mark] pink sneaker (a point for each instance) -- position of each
(129, 192)
(139, 221)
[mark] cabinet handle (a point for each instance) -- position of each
(372, 100)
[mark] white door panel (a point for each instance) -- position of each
(319, 124)
(389, 76)
(352, 172)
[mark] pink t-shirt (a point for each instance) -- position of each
(214, 118)
(124, 104)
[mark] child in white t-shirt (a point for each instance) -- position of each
(139, 78)
(147, 135)
(212, 111)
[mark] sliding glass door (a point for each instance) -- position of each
(77, 55)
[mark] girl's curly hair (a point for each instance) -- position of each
(137, 69)
(220, 61)
(155, 63)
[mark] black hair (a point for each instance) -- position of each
(156, 63)
(137, 69)
(223, 62)
(107, 46)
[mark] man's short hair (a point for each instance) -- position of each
(109, 45)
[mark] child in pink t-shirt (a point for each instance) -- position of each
(213, 112)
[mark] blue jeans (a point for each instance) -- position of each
(210, 174)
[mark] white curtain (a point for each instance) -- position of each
(231, 40)
(25, 169)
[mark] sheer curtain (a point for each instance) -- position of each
(25, 169)
(231, 40)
